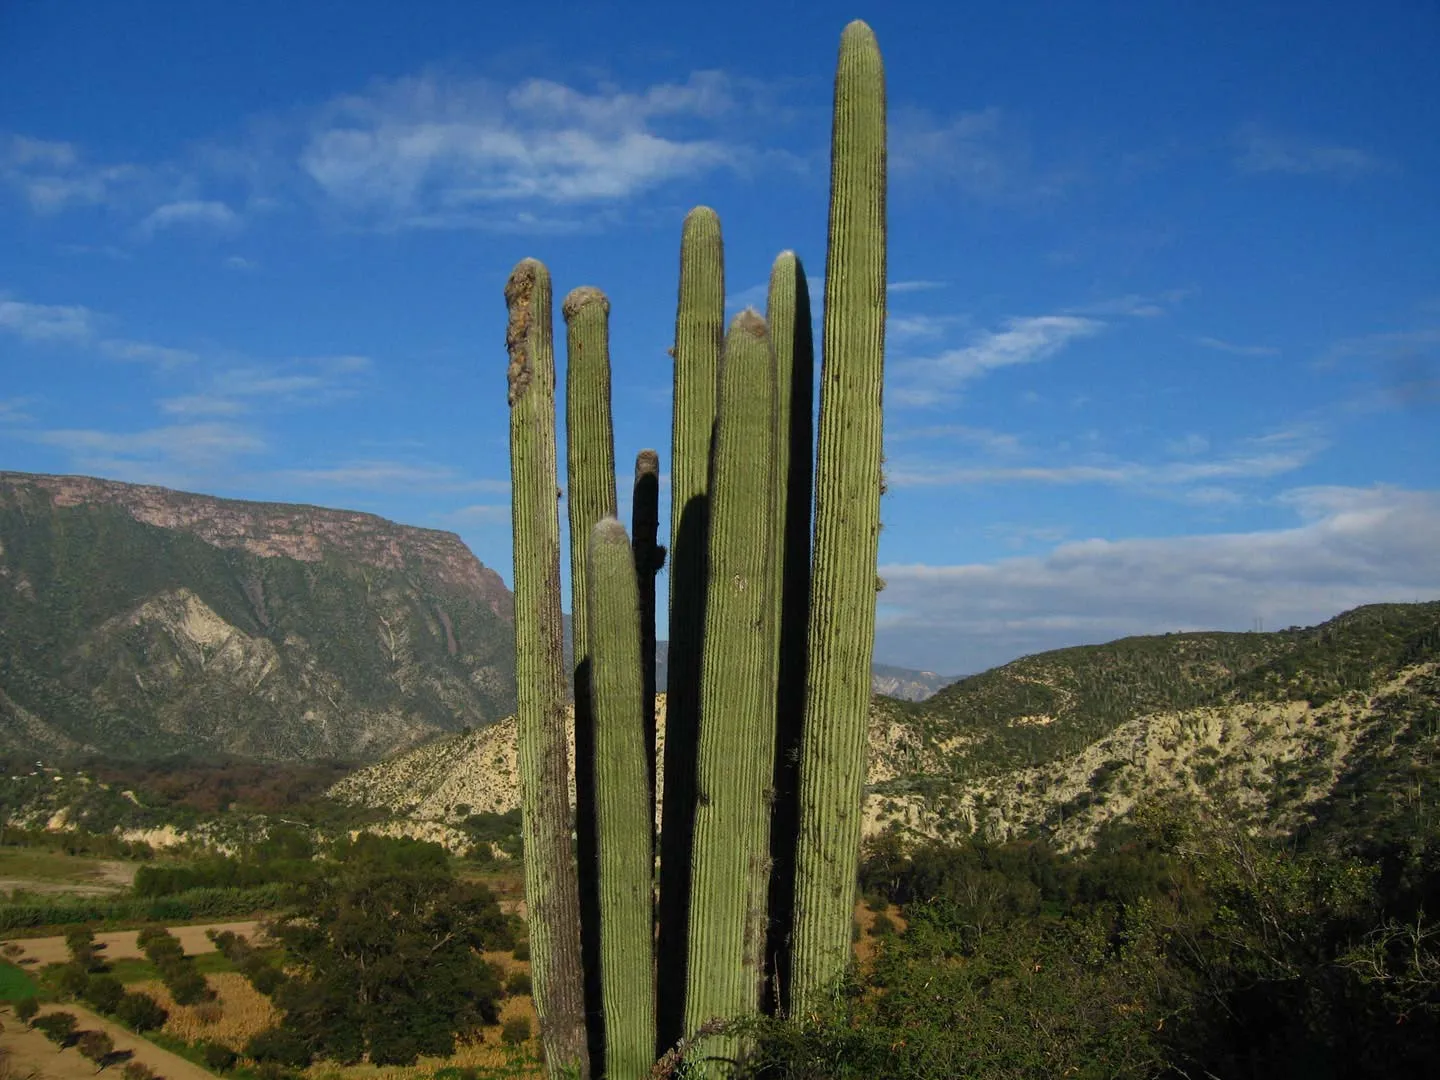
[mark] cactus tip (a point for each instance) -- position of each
(581, 298)
(750, 322)
(519, 300)
(608, 530)
(647, 462)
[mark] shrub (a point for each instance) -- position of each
(273, 1070)
(264, 977)
(280, 1046)
(26, 1008)
(135, 1070)
(96, 1046)
(209, 1012)
(521, 951)
(57, 1026)
(518, 983)
(187, 986)
(515, 1031)
(218, 1057)
(72, 980)
(141, 1012)
(104, 992)
(882, 926)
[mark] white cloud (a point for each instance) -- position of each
(1236, 350)
(1137, 305)
(47, 322)
(479, 514)
(1021, 341)
(1261, 151)
(435, 151)
(1353, 546)
(145, 353)
(239, 262)
(202, 405)
(913, 286)
(53, 176)
(190, 213)
(174, 454)
(12, 411)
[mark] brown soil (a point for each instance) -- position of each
(34, 1055)
(120, 944)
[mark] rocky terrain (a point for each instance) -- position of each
(139, 621)
(1284, 728)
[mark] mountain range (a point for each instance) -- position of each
(136, 621)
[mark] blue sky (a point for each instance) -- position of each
(1164, 348)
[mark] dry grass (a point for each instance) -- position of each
(243, 1011)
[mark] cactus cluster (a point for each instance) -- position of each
(770, 642)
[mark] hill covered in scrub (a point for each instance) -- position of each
(1295, 727)
(139, 622)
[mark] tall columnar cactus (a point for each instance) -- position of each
(550, 878)
(624, 814)
(590, 456)
(847, 525)
(730, 878)
(649, 558)
(699, 337)
(791, 340)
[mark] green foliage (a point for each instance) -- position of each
(388, 943)
(516, 1031)
(104, 993)
(26, 1008)
(15, 982)
(281, 1046)
(518, 983)
(141, 1012)
(218, 1057)
(71, 979)
(96, 1045)
(196, 904)
(59, 1027)
(137, 1070)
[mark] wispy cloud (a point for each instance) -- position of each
(982, 153)
(913, 286)
(394, 476)
(47, 322)
(191, 214)
(1352, 546)
(239, 262)
(12, 411)
(1262, 151)
(477, 514)
(53, 176)
(172, 454)
(1137, 305)
(438, 150)
(1263, 457)
(144, 352)
(1231, 347)
(1028, 340)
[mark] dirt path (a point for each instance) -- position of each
(120, 944)
(30, 1050)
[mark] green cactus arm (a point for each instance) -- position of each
(550, 875)
(847, 525)
(590, 460)
(699, 336)
(730, 869)
(792, 340)
(623, 810)
(649, 558)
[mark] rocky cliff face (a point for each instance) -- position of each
(139, 621)
(277, 530)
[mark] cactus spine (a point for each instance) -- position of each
(550, 878)
(699, 337)
(731, 866)
(624, 813)
(847, 525)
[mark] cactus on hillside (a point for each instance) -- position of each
(624, 814)
(847, 525)
(550, 875)
(730, 875)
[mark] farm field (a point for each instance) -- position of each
(38, 871)
(31, 1054)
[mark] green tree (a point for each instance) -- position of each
(104, 992)
(390, 946)
(140, 1012)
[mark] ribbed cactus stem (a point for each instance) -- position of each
(731, 863)
(623, 810)
(649, 558)
(590, 457)
(699, 338)
(847, 525)
(550, 880)
(792, 342)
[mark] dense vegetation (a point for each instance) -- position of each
(1182, 947)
